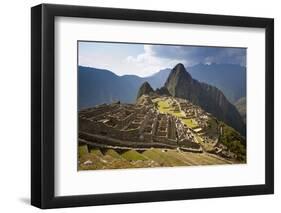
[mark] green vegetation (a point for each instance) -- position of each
(113, 153)
(164, 107)
(191, 123)
(97, 152)
(181, 84)
(212, 126)
(156, 105)
(155, 156)
(234, 141)
(95, 160)
(230, 138)
(171, 158)
(82, 150)
(133, 155)
(111, 159)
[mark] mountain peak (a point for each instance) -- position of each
(145, 89)
(179, 71)
(177, 75)
(180, 84)
(146, 84)
(179, 66)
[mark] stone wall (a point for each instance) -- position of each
(136, 124)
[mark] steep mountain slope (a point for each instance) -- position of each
(229, 78)
(158, 79)
(241, 107)
(97, 86)
(102, 86)
(181, 84)
(145, 89)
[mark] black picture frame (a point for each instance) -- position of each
(43, 102)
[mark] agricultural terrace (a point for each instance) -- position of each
(95, 159)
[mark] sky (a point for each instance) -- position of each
(147, 59)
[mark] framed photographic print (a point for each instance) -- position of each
(140, 106)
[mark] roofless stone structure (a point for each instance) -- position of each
(134, 125)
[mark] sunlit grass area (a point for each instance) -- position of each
(191, 123)
(82, 150)
(97, 152)
(132, 155)
(113, 153)
(165, 107)
(111, 159)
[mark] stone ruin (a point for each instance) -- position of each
(135, 126)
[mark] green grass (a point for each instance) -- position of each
(171, 158)
(133, 155)
(96, 162)
(96, 152)
(234, 141)
(149, 158)
(155, 156)
(214, 160)
(191, 123)
(113, 153)
(230, 138)
(202, 159)
(82, 150)
(164, 107)
(168, 158)
(212, 127)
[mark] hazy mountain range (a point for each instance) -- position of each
(98, 86)
(229, 78)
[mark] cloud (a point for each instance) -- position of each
(191, 55)
(149, 62)
(145, 60)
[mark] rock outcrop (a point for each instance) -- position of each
(145, 89)
(162, 91)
